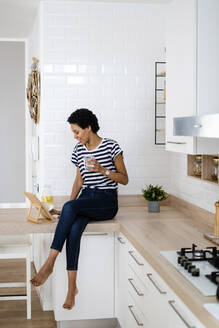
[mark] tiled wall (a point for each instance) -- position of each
(101, 56)
(200, 193)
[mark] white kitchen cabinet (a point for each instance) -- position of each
(151, 302)
(95, 280)
(207, 57)
(41, 248)
(192, 69)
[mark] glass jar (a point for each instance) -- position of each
(197, 167)
(214, 172)
(47, 198)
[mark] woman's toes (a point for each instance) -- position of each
(67, 307)
(32, 281)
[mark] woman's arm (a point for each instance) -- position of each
(120, 176)
(77, 185)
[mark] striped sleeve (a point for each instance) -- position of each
(116, 150)
(74, 156)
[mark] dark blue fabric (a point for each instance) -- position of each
(93, 204)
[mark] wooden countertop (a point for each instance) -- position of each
(150, 233)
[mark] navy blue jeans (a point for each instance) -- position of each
(92, 205)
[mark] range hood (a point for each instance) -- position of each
(197, 126)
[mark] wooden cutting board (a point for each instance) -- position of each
(212, 238)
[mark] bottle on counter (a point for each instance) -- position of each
(47, 198)
(214, 174)
(197, 167)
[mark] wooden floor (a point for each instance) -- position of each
(13, 313)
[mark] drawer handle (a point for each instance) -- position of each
(130, 309)
(150, 277)
(180, 315)
(120, 240)
(96, 234)
(197, 126)
(137, 292)
(176, 142)
(131, 253)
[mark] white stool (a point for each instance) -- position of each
(17, 247)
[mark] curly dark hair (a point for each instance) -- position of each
(84, 117)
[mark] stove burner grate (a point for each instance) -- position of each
(193, 254)
(213, 277)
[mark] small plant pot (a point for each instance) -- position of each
(154, 206)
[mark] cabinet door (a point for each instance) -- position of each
(95, 280)
(207, 68)
(121, 278)
(181, 71)
(41, 248)
(207, 57)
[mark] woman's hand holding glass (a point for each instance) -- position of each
(94, 166)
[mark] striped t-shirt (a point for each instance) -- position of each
(105, 154)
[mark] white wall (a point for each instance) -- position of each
(200, 193)
(101, 56)
(34, 50)
(12, 123)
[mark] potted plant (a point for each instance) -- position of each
(154, 194)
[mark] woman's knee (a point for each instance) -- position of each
(68, 207)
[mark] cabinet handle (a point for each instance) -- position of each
(120, 240)
(137, 292)
(197, 126)
(130, 252)
(176, 142)
(150, 277)
(130, 309)
(180, 315)
(96, 234)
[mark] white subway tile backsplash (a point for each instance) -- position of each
(76, 80)
(101, 56)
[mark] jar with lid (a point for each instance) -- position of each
(197, 166)
(214, 172)
(47, 198)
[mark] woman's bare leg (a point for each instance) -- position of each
(46, 269)
(72, 290)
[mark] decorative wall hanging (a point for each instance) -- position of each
(33, 91)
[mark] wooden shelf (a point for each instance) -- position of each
(161, 74)
(208, 165)
(160, 102)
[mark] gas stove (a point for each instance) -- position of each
(199, 266)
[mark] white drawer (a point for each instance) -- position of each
(122, 239)
(180, 313)
(146, 297)
(137, 262)
(135, 317)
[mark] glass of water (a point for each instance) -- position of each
(87, 160)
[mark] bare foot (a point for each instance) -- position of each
(70, 298)
(42, 275)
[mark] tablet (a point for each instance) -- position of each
(35, 201)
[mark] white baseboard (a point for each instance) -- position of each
(99, 323)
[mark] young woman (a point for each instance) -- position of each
(100, 167)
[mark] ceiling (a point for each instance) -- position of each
(16, 16)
